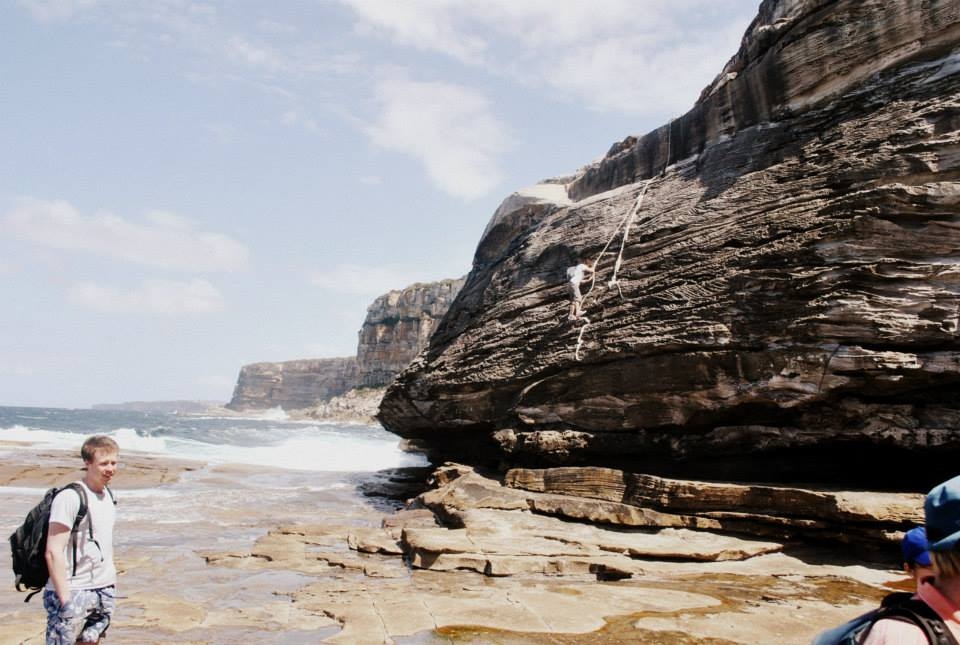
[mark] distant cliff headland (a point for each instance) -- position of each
(397, 327)
(164, 407)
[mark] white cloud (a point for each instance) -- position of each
(165, 297)
(634, 56)
(296, 118)
(448, 128)
(163, 240)
(54, 10)
(465, 31)
(665, 81)
(355, 279)
(262, 56)
(424, 25)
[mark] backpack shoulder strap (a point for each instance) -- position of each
(896, 598)
(82, 494)
(923, 616)
(81, 513)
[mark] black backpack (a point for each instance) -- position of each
(28, 544)
(897, 606)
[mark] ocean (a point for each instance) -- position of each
(268, 439)
(254, 474)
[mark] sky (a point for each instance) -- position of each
(187, 187)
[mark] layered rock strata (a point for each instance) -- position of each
(398, 326)
(787, 291)
(473, 551)
(630, 506)
(293, 385)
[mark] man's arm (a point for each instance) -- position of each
(57, 538)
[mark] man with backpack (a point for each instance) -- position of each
(80, 595)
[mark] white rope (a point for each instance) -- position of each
(576, 352)
(625, 224)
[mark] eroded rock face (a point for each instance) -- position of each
(356, 406)
(788, 296)
(398, 326)
(627, 501)
(293, 385)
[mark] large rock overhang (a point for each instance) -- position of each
(788, 297)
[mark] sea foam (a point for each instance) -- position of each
(267, 442)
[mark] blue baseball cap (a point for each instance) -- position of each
(942, 512)
(914, 547)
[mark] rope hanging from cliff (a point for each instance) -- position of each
(624, 224)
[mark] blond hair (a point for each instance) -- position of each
(97, 443)
(946, 564)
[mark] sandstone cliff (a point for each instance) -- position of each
(398, 326)
(293, 385)
(788, 291)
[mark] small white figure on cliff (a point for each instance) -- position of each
(576, 275)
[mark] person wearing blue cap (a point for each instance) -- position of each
(942, 593)
(916, 558)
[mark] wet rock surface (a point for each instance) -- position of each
(213, 554)
(470, 560)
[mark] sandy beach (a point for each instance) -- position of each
(227, 554)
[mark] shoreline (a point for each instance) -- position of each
(56, 467)
(337, 576)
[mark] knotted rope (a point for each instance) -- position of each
(624, 224)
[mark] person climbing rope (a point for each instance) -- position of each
(576, 275)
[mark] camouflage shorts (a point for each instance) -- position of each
(85, 618)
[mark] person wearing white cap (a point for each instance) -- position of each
(942, 593)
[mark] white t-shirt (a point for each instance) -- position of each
(576, 274)
(95, 567)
